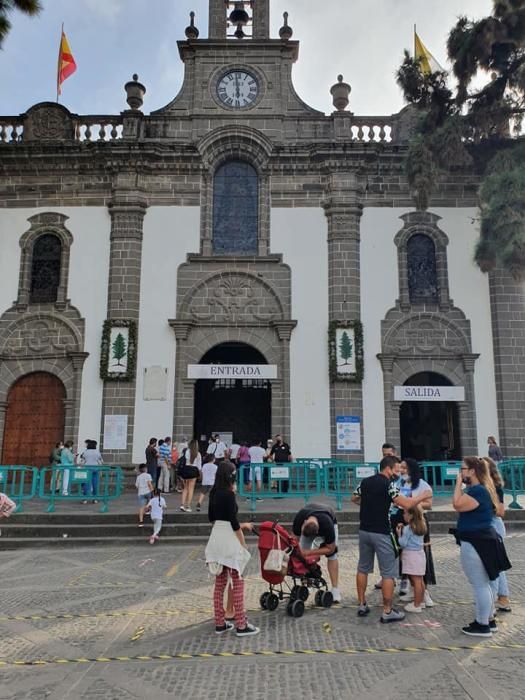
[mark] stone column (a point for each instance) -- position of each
(284, 333)
(184, 394)
(343, 210)
(3, 412)
(127, 216)
(261, 19)
(217, 19)
(507, 303)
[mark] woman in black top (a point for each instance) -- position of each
(226, 553)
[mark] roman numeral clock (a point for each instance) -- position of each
(238, 89)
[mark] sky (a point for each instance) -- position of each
(112, 39)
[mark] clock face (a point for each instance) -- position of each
(237, 89)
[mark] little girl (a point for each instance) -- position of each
(156, 508)
(413, 558)
(209, 469)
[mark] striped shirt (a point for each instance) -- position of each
(164, 454)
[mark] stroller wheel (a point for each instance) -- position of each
(295, 593)
(272, 601)
(317, 599)
(295, 608)
(326, 599)
(303, 593)
(263, 600)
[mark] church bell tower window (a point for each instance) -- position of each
(45, 269)
(235, 209)
(422, 269)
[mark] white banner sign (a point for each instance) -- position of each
(429, 393)
(232, 371)
(115, 432)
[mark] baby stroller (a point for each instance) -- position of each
(304, 573)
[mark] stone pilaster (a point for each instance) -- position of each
(261, 19)
(507, 303)
(217, 19)
(343, 210)
(127, 216)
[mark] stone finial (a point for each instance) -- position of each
(191, 31)
(340, 93)
(135, 92)
(285, 32)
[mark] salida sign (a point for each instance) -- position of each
(429, 393)
(232, 371)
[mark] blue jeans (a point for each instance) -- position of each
(94, 485)
(485, 590)
(503, 584)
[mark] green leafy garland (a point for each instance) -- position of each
(357, 326)
(129, 375)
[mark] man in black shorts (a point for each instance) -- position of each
(374, 496)
(316, 526)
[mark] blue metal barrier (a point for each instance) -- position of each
(513, 473)
(290, 480)
(342, 478)
(19, 482)
(102, 483)
(441, 476)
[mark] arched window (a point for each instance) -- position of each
(45, 269)
(235, 209)
(422, 271)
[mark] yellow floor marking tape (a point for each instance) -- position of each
(172, 571)
(267, 653)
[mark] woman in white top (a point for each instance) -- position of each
(190, 473)
(91, 457)
(413, 485)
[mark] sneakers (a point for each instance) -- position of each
(503, 604)
(141, 524)
(411, 608)
(427, 600)
(362, 610)
(493, 625)
(378, 584)
(404, 587)
(185, 509)
(336, 595)
(227, 627)
(198, 508)
(152, 540)
(248, 631)
(83, 503)
(392, 616)
(477, 630)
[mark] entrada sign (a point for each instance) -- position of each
(429, 393)
(232, 371)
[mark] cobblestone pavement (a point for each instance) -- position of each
(98, 615)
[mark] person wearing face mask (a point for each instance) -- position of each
(282, 454)
(483, 555)
(374, 495)
(217, 448)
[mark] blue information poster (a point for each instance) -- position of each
(348, 433)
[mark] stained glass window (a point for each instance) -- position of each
(235, 209)
(45, 270)
(422, 272)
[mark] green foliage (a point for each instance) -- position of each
(460, 127)
(345, 347)
(119, 349)
(30, 7)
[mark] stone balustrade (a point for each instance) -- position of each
(11, 129)
(377, 129)
(98, 127)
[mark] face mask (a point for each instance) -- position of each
(405, 477)
(394, 477)
(467, 480)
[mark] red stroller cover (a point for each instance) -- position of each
(268, 540)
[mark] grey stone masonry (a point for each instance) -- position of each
(507, 298)
(343, 210)
(127, 216)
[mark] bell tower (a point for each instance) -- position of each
(239, 19)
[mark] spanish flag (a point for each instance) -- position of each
(66, 62)
(427, 61)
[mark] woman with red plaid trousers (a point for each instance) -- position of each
(226, 553)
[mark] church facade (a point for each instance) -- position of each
(239, 228)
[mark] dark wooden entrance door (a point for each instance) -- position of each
(34, 419)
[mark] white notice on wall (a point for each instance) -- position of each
(348, 433)
(115, 432)
(155, 383)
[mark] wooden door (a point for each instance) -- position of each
(34, 419)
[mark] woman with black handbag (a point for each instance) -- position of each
(190, 472)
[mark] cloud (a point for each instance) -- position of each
(108, 10)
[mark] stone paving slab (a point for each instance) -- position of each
(128, 606)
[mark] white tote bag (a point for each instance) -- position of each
(277, 559)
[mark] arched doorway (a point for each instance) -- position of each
(241, 407)
(430, 429)
(34, 419)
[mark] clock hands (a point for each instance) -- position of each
(237, 89)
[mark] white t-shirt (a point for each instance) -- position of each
(421, 487)
(208, 473)
(217, 449)
(91, 458)
(234, 450)
(197, 462)
(257, 454)
(143, 483)
(157, 508)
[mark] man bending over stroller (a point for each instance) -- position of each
(316, 526)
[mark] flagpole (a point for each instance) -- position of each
(58, 63)
(415, 51)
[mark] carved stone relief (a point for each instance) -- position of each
(432, 335)
(48, 122)
(32, 336)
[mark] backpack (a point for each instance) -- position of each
(181, 462)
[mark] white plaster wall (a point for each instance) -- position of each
(300, 235)
(87, 289)
(170, 233)
(469, 290)
(379, 289)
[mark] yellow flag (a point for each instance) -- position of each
(428, 62)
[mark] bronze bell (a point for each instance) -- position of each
(239, 17)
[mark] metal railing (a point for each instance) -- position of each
(102, 483)
(290, 480)
(19, 482)
(513, 473)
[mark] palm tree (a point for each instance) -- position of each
(30, 7)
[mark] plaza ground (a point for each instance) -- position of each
(100, 618)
